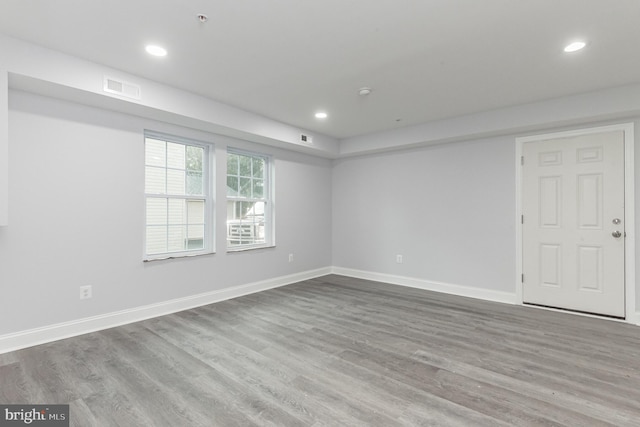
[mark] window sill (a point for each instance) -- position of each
(249, 248)
(176, 256)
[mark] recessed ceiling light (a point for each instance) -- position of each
(321, 115)
(575, 46)
(156, 50)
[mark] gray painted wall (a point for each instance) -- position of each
(76, 196)
(448, 209)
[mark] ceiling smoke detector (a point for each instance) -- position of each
(364, 91)
(202, 17)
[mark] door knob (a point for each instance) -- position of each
(616, 234)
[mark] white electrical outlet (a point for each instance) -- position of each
(85, 292)
(290, 257)
(399, 259)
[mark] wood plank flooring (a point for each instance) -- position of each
(337, 351)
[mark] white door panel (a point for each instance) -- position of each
(573, 190)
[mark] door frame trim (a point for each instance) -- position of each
(629, 208)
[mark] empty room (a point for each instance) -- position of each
(336, 213)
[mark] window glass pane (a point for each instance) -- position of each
(232, 164)
(176, 239)
(256, 212)
(246, 209)
(245, 223)
(154, 180)
(195, 235)
(175, 182)
(155, 152)
(156, 239)
(156, 211)
(194, 158)
(176, 155)
(245, 187)
(232, 186)
(194, 183)
(195, 212)
(245, 166)
(257, 218)
(258, 167)
(195, 244)
(258, 188)
(176, 211)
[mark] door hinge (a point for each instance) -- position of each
(521, 219)
(522, 160)
(522, 278)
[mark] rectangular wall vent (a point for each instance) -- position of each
(122, 88)
(306, 139)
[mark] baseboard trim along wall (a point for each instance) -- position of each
(464, 291)
(635, 318)
(32, 337)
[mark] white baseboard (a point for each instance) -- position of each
(42, 335)
(31, 337)
(465, 291)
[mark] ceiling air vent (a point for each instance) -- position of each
(122, 88)
(306, 139)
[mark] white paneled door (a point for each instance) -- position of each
(573, 223)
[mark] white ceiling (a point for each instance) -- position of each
(285, 59)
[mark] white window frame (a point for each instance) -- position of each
(207, 196)
(268, 199)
